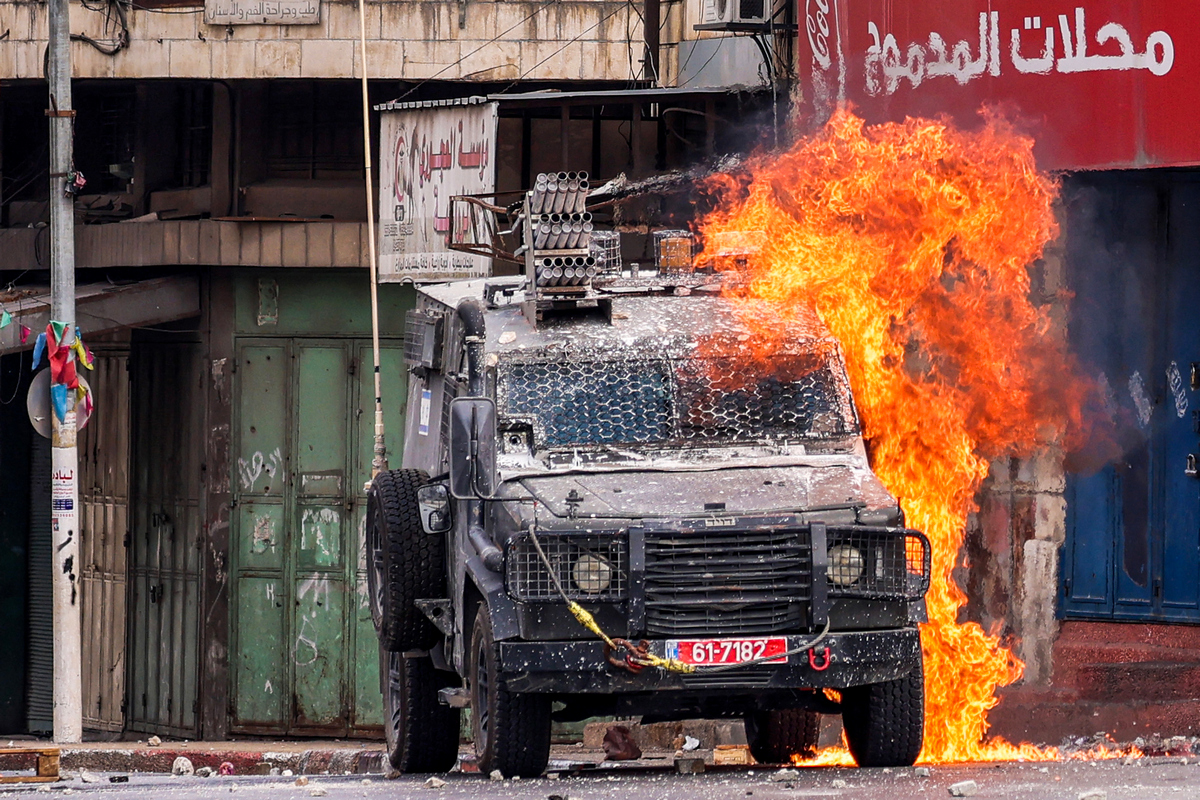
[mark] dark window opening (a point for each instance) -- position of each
(193, 160)
(314, 130)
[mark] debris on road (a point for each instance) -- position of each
(1093, 794)
(154, 741)
(689, 766)
(204, 772)
(226, 768)
(922, 772)
(619, 744)
(690, 743)
(317, 791)
(434, 782)
(118, 779)
(89, 777)
(963, 788)
(496, 775)
(302, 781)
(785, 774)
(182, 766)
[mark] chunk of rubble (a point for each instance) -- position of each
(154, 741)
(963, 789)
(182, 766)
(785, 774)
(496, 775)
(1093, 794)
(434, 782)
(922, 772)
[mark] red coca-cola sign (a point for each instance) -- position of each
(1099, 84)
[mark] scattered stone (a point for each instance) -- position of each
(287, 773)
(556, 797)
(226, 768)
(689, 766)
(496, 775)
(154, 741)
(118, 779)
(922, 772)
(690, 743)
(785, 774)
(302, 780)
(1093, 794)
(89, 777)
(273, 771)
(619, 744)
(963, 788)
(317, 791)
(392, 773)
(1129, 761)
(204, 772)
(182, 766)
(551, 776)
(434, 782)
(837, 783)
(366, 781)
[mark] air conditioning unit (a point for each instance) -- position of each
(724, 12)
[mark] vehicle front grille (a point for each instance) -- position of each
(878, 563)
(731, 583)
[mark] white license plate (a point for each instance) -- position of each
(702, 652)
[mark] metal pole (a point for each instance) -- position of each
(379, 459)
(64, 489)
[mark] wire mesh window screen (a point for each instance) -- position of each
(659, 401)
(592, 402)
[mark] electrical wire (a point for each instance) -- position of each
(491, 41)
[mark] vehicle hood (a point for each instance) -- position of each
(744, 490)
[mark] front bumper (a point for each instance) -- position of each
(579, 667)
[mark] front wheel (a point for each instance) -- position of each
(885, 722)
(512, 731)
(421, 733)
(776, 736)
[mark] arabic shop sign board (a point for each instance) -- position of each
(427, 156)
(262, 12)
(1105, 84)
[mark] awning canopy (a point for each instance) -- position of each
(101, 307)
(545, 99)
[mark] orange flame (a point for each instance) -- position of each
(913, 242)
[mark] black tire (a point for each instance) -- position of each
(512, 731)
(776, 736)
(404, 563)
(421, 733)
(885, 722)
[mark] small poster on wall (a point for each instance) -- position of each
(262, 12)
(427, 156)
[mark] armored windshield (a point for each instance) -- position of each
(664, 400)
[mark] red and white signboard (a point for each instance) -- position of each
(426, 157)
(1098, 83)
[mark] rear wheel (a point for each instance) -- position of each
(405, 564)
(421, 733)
(885, 722)
(776, 736)
(512, 731)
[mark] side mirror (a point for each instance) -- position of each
(472, 448)
(433, 502)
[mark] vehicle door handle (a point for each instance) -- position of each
(1190, 470)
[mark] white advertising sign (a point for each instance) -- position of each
(427, 156)
(262, 12)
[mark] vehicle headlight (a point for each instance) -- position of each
(845, 564)
(592, 574)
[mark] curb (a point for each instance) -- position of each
(245, 762)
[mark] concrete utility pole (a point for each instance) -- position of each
(64, 489)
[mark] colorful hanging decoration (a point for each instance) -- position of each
(58, 398)
(5, 318)
(39, 347)
(25, 331)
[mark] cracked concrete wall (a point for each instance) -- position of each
(483, 41)
(1009, 561)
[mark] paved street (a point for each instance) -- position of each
(1148, 778)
